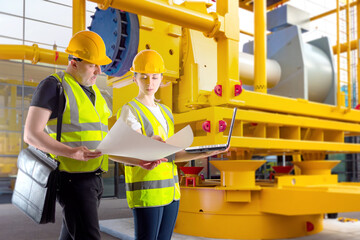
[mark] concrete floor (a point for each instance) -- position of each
(14, 225)
(123, 228)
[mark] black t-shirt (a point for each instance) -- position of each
(45, 95)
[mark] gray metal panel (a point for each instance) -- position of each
(286, 16)
(286, 47)
(324, 44)
(307, 70)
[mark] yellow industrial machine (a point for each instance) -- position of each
(293, 107)
(10, 124)
(11, 116)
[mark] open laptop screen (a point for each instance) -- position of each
(208, 148)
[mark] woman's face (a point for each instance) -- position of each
(148, 83)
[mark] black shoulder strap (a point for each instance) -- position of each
(60, 95)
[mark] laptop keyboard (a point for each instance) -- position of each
(208, 146)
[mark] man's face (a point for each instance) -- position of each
(87, 73)
(148, 83)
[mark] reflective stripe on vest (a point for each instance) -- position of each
(148, 125)
(151, 184)
(83, 124)
(159, 186)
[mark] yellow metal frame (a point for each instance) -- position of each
(260, 46)
(78, 14)
(249, 4)
(267, 133)
(33, 53)
(265, 125)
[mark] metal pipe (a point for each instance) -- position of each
(22, 83)
(162, 10)
(33, 53)
(246, 33)
(358, 51)
(338, 93)
(330, 12)
(348, 53)
(246, 70)
(344, 46)
(260, 46)
(78, 14)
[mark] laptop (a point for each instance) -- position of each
(208, 148)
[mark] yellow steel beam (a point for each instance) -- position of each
(358, 50)
(273, 119)
(18, 82)
(246, 33)
(33, 53)
(165, 11)
(331, 12)
(349, 80)
(271, 145)
(78, 13)
(260, 83)
(267, 102)
(228, 49)
(344, 47)
(248, 4)
(277, 133)
(338, 92)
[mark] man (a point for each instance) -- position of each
(84, 125)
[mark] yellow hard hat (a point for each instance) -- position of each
(88, 46)
(148, 61)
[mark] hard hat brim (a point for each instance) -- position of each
(139, 71)
(103, 61)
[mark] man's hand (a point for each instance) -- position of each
(158, 138)
(149, 165)
(83, 153)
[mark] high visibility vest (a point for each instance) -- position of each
(83, 124)
(159, 186)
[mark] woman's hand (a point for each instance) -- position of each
(216, 152)
(183, 156)
(212, 153)
(149, 165)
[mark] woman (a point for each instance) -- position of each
(152, 188)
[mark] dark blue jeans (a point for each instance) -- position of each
(155, 223)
